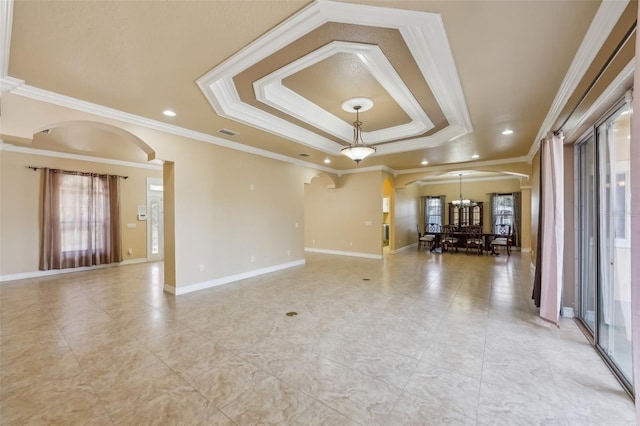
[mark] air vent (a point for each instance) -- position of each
(303, 155)
(46, 131)
(227, 132)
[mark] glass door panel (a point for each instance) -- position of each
(614, 215)
(587, 236)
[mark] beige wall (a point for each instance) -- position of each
(535, 204)
(407, 211)
(347, 218)
(217, 228)
(20, 209)
(479, 191)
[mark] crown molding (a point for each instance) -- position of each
(8, 84)
(603, 23)
(68, 156)
(6, 20)
(99, 110)
(457, 181)
(457, 166)
(426, 39)
(272, 92)
(605, 97)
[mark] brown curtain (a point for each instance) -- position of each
(80, 220)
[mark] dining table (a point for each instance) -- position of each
(462, 238)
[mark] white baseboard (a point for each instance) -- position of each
(344, 253)
(229, 279)
(39, 274)
(567, 312)
(532, 267)
(405, 248)
(525, 250)
(134, 261)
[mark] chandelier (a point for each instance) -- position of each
(357, 150)
(460, 201)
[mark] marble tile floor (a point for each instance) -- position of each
(417, 338)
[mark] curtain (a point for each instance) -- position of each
(551, 229)
(634, 179)
(492, 209)
(537, 279)
(442, 210)
(80, 220)
(517, 218)
(423, 214)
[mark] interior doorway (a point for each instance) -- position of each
(155, 219)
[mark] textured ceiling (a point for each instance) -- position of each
(472, 68)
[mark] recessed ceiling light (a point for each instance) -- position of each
(424, 162)
(169, 113)
(327, 161)
(474, 156)
(507, 132)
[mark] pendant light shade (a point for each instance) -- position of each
(357, 150)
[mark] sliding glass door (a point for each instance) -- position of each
(604, 239)
(614, 290)
(587, 236)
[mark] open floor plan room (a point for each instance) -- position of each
(417, 338)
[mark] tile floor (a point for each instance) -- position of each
(418, 338)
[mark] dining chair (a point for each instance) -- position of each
(425, 239)
(448, 237)
(474, 239)
(502, 238)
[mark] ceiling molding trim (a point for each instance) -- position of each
(457, 181)
(231, 107)
(8, 84)
(68, 156)
(423, 32)
(367, 169)
(603, 23)
(6, 20)
(272, 92)
(605, 97)
(471, 164)
(435, 60)
(443, 136)
(79, 105)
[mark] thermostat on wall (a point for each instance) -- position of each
(142, 212)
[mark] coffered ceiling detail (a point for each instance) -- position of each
(356, 39)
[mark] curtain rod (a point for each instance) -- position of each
(598, 75)
(72, 172)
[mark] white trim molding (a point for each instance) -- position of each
(38, 274)
(56, 154)
(603, 23)
(405, 248)
(229, 279)
(344, 253)
(426, 39)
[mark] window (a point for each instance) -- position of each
(433, 211)
(83, 203)
(81, 220)
(503, 210)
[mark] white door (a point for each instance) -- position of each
(155, 220)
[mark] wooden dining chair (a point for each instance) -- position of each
(425, 239)
(502, 238)
(448, 237)
(474, 239)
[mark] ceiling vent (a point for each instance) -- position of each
(227, 132)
